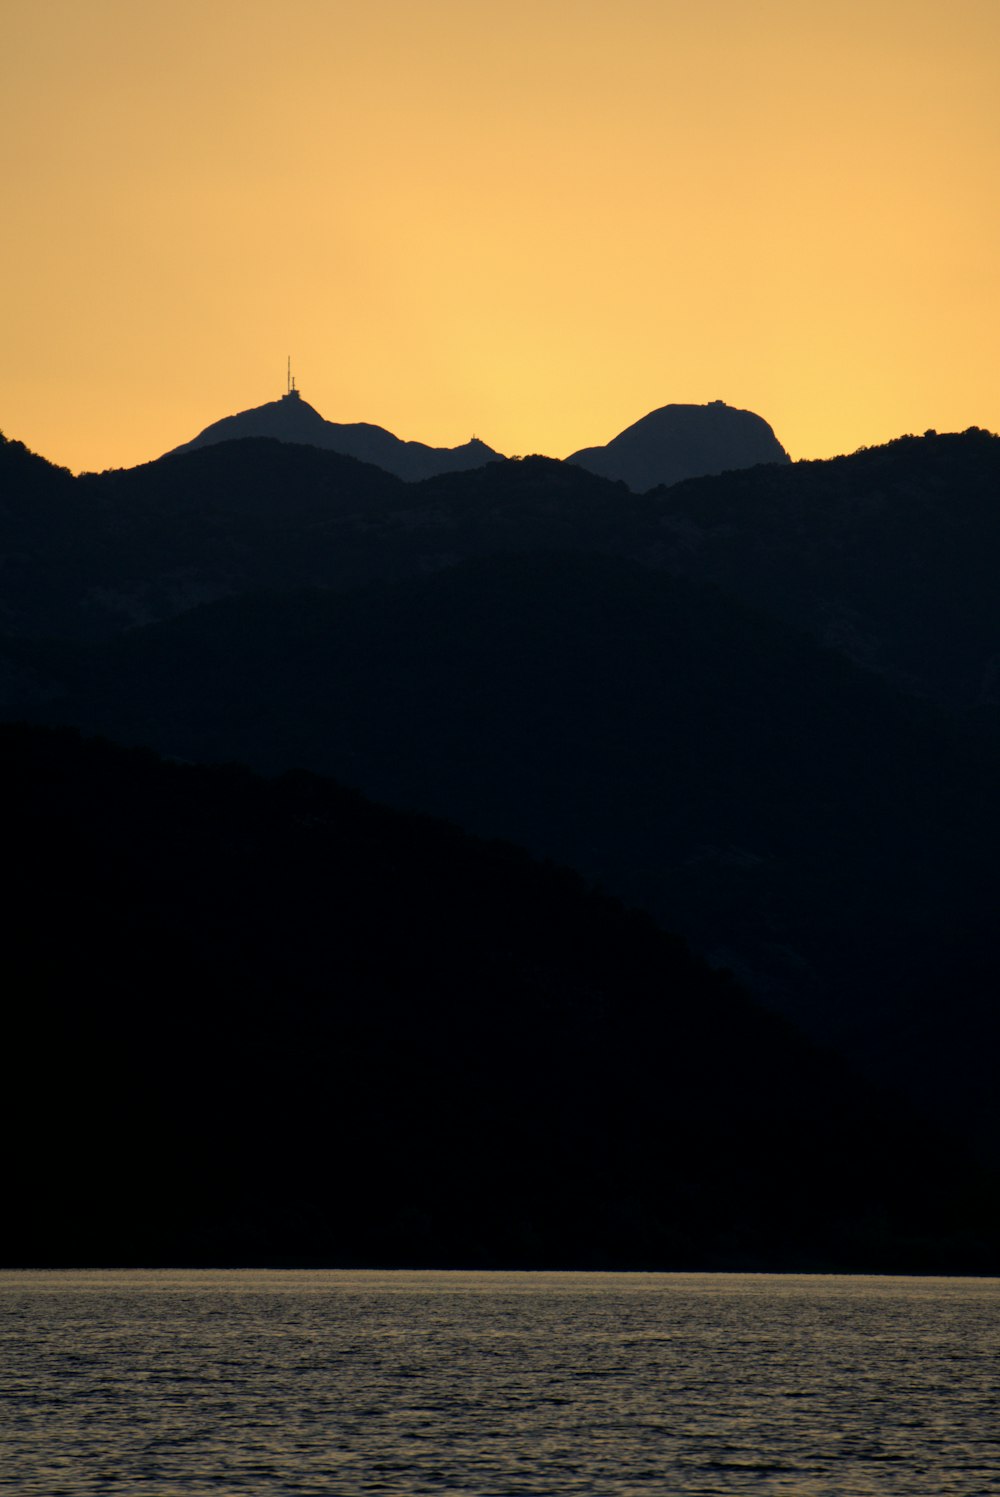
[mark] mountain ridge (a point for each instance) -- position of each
(886, 555)
(677, 442)
(292, 419)
(667, 445)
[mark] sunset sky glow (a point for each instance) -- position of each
(534, 222)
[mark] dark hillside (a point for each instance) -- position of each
(258, 1022)
(624, 682)
(47, 543)
(890, 556)
(793, 817)
(85, 557)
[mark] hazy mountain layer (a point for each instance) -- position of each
(789, 814)
(254, 1023)
(683, 441)
(292, 419)
(889, 556)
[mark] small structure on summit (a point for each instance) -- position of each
(291, 393)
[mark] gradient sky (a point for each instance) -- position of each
(534, 220)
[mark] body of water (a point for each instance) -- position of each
(302, 1383)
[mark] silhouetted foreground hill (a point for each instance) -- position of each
(256, 1022)
(683, 441)
(292, 419)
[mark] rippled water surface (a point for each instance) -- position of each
(404, 1383)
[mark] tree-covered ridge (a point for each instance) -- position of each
(887, 556)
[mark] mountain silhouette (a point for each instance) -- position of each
(668, 445)
(888, 556)
(267, 1022)
(765, 705)
(292, 419)
(683, 441)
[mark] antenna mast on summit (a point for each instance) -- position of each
(289, 389)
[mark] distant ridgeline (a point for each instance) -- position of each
(677, 442)
(292, 419)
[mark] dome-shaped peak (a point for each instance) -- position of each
(684, 441)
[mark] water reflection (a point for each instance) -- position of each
(405, 1383)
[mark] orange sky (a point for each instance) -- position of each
(535, 220)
